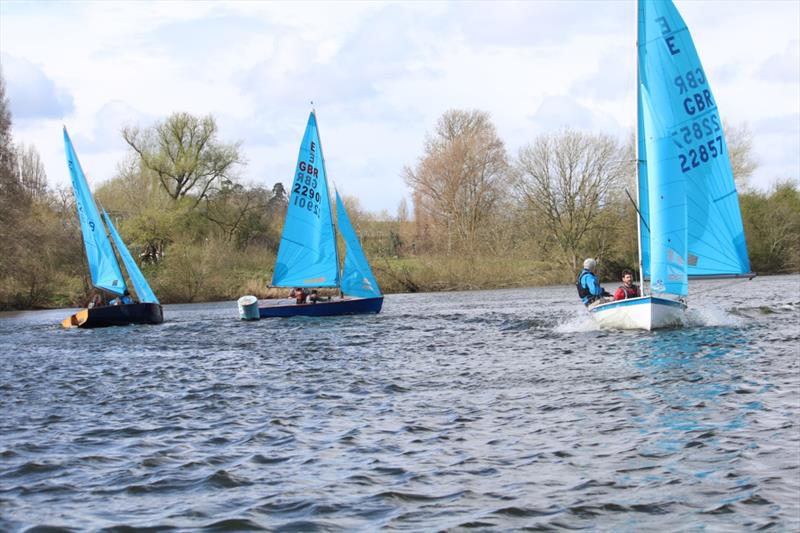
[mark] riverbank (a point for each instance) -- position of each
(198, 284)
(394, 275)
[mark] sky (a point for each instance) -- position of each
(380, 75)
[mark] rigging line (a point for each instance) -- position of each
(637, 210)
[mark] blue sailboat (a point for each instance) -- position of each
(308, 256)
(103, 265)
(690, 225)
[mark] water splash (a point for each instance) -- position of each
(578, 322)
(698, 317)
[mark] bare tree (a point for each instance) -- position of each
(184, 153)
(740, 151)
(460, 178)
(566, 179)
(402, 211)
(32, 175)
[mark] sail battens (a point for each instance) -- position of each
(724, 196)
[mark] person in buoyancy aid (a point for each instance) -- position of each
(299, 295)
(589, 289)
(628, 289)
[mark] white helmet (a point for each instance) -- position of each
(590, 264)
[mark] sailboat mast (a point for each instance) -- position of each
(330, 211)
(636, 152)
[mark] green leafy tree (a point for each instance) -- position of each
(10, 188)
(184, 154)
(772, 226)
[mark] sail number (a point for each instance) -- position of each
(703, 153)
(306, 181)
(702, 140)
(699, 129)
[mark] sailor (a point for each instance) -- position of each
(125, 299)
(96, 301)
(299, 294)
(628, 289)
(589, 289)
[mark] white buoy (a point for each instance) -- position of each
(248, 308)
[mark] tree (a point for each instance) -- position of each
(278, 201)
(772, 225)
(566, 179)
(240, 213)
(32, 175)
(402, 211)
(7, 159)
(460, 178)
(740, 152)
(11, 201)
(10, 189)
(185, 155)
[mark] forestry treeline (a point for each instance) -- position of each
(480, 218)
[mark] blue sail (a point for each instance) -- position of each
(103, 265)
(667, 201)
(143, 290)
(357, 278)
(307, 255)
(681, 100)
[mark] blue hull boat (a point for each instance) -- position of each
(348, 306)
(308, 255)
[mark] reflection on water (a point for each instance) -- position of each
(493, 410)
(703, 415)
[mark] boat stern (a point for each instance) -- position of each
(76, 320)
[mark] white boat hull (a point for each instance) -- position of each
(646, 312)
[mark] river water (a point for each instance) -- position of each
(490, 410)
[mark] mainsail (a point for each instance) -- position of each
(103, 265)
(678, 119)
(307, 255)
(143, 290)
(667, 199)
(357, 278)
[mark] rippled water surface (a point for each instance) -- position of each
(494, 410)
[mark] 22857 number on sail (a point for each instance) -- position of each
(702, 154)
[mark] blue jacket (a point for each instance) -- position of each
(589, 281)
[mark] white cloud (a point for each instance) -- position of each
(783, 67)
(32, 95)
